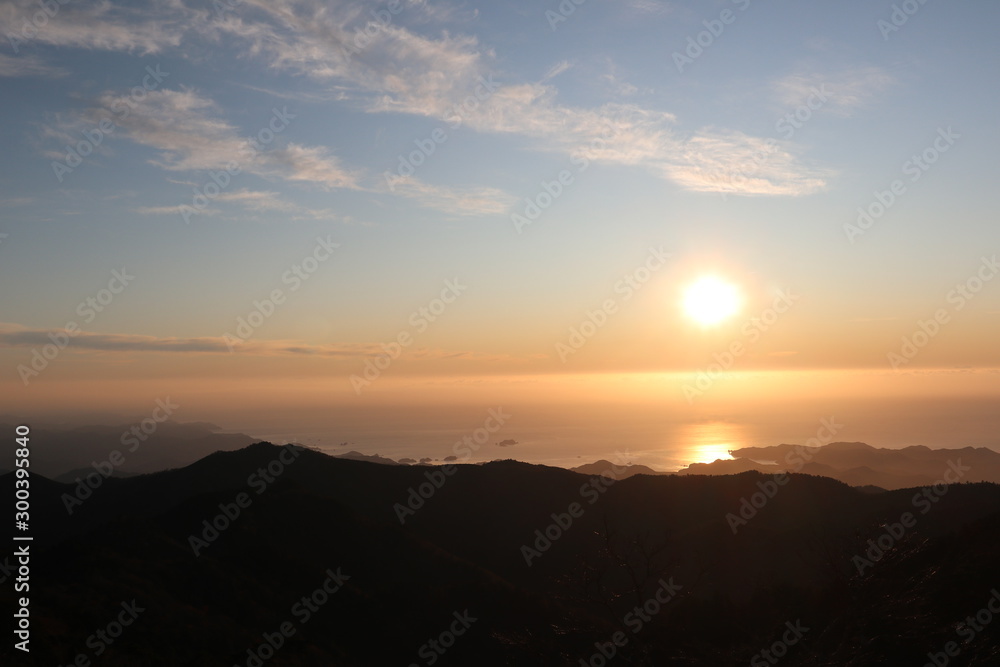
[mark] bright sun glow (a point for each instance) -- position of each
(710, 300)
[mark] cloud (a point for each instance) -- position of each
(650, 6)
(167, 210)
(314, 165)
(734, 163)
(254, 201)
(13, 335)
(188, 131)
(257, 200)
(14, 66)
(16, 201)
(393, 69)
(847, 90)
(399, 71)
(143, 27)
(614, 83)
(557, 69)
(458, 201)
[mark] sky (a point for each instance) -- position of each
(221, 197)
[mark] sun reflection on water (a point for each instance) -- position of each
(708, 441)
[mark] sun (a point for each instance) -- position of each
(711, 300)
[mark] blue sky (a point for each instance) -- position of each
(694, 160)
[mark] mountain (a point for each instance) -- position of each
(606, 468)
(859, 464)
(373, 458)
(503, 563)
(71, 476)
(145, 446)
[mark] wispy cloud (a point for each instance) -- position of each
(261, 200)
(557, 69)
(12, 335)
(14, 66)
(396, 70)
(312, 164)
(847, 90)
(402, 72)
(169, 210)
(16, 201)
(254, 201)
(650, 6)
(190, 133)
(143, 27)
(458, 201)
(734, 163)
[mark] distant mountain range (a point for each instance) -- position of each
(533, 565)
(64, 455)
(143, 447)
(606, 468)
(858, 464)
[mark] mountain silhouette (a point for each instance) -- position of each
(859, 464)
(144, 446)
(425, 549)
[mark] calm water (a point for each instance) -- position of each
(573, 435)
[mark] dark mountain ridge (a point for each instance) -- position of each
(749, 554)
(859, 464)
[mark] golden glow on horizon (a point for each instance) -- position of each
(711, 300)
(708, 442)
